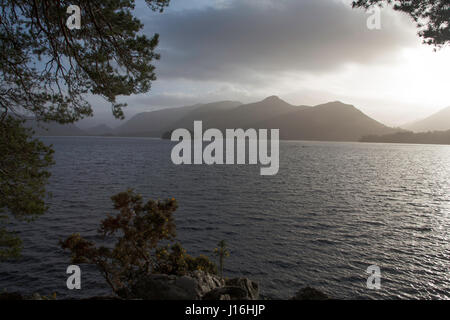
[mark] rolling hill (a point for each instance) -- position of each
(429, 137)
(154, 123)
(333, 121)
(247, 115)
(208, 113)
(54, 129)
(100, 130)
(439, 121)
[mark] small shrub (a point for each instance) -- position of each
(174, 260)
(222, 252)
(138, 229)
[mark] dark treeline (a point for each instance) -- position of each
(431, 137)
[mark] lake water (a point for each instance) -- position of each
(333, 210)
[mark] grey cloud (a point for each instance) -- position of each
(247, 41)
(175, 98)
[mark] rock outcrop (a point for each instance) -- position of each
(196, 285)
(170, 287)
(250, 287)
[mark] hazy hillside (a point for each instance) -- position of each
(437, 121)
(430, 137)
(208, 113)
(222, 115)
(332, 121)
(99, 130)
(153, 123)
(54, 129)
(247, 115)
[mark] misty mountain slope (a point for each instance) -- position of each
(207, 113)
(245, 116)
(54, 129)
(429, 137)
(99, 130)
(334, 121)
(153, 123)
(439, 121)
(221, 115)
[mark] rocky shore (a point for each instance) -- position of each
(196, 285)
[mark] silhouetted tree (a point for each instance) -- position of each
(431, 16)
(222, 252)
(23, 174)
(47, 71)
(138, 229)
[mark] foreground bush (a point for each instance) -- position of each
(137, 229)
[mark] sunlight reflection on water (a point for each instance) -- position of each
(331, 211)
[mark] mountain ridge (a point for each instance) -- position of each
(439, 121)
(332, 121)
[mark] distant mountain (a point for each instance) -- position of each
(207, 113)
(247, 115)
(430, 137)
(54, 129)
(438, 121)
(334, 121)
(100, 130)
(221, 115)
(154, 123)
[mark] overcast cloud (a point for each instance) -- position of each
(255, 40)
(305, 51)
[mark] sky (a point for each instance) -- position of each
(307, 52)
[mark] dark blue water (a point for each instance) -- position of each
(332, 210)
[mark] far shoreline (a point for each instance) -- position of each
(284, 140)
